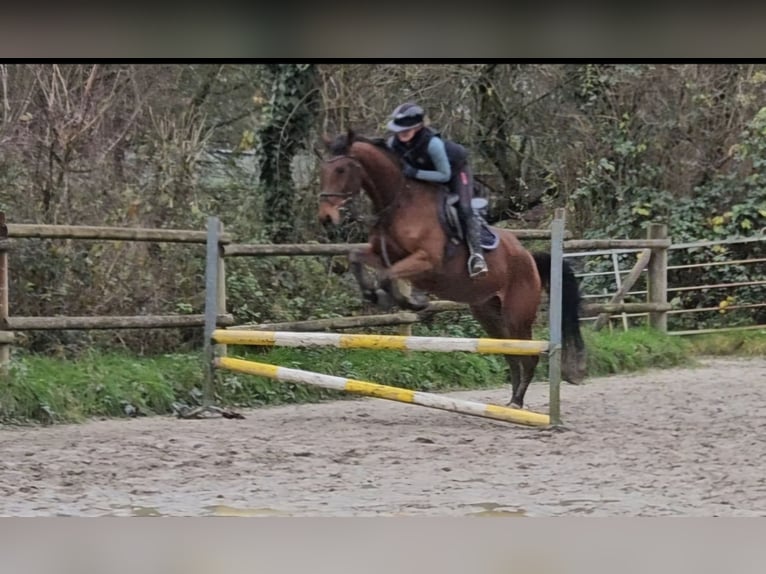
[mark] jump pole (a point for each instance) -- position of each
(396, 342)
(430, 400)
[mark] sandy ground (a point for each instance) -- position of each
(688, 442)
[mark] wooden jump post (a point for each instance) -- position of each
(555, 316)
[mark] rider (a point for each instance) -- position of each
(430, 157)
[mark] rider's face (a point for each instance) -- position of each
(407, 135)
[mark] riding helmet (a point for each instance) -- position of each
(405, 117)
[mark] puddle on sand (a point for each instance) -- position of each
(573, 501)
(499, 513)
(117, 510)
(143, 511)
(224, 510)
(217, 510)
(493, 509)
(484, 509)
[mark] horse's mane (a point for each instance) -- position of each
(341, 145)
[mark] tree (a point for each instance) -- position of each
(287, 123)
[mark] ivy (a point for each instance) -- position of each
(286, 124)
(730, 205)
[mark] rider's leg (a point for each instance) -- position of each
(463, 185)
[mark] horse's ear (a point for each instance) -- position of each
(326, 141)
(350, 135)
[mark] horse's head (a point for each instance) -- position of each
(357, 163)
(340, 180)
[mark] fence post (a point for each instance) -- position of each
(657, 286)
(221, 289)
(6, 337)
(213, 298)
(554, 314)
(5, 342)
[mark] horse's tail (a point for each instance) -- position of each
(570, 317)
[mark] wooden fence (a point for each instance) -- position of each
(656, 245)
(731, 293)
(654, 261)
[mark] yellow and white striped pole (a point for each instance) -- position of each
(396, 342)
(496, 412)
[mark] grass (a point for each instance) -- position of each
(100, 384)
(634, 350)
(741, 343)
(46, 389)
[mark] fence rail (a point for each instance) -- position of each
(656, 305)
(109, 322)
(655, 249)
(28, 230)
(730, 286)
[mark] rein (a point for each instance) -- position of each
(348, 198)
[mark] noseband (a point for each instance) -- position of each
(348, 195)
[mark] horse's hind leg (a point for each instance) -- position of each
(490, 317)
(513, 320)
(527, 366)
(520, 321)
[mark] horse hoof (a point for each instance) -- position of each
(384, 300)
(417, 304)
(573, 380)
(370, 296)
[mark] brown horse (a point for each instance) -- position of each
(409, 242)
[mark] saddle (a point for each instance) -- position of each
(450, 220)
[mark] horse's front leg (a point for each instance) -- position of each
(396, 280)
(391, 289)
(369, 285)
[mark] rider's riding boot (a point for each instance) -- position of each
(477, 265)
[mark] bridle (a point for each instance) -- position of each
(347, 196)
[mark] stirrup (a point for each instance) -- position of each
(474, 261)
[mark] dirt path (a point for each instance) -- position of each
(688, 442)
